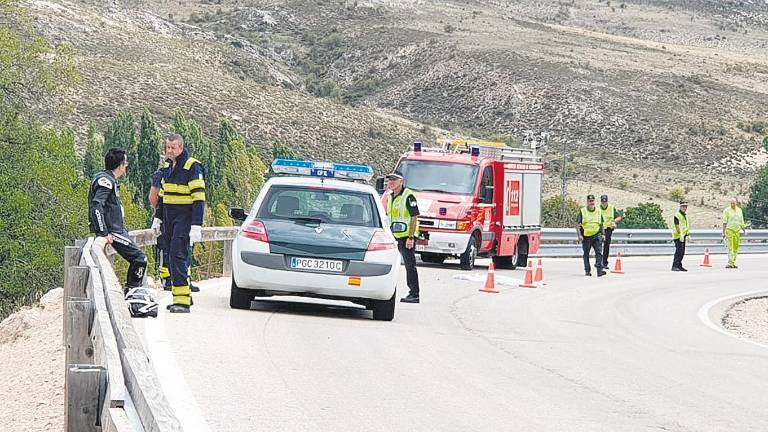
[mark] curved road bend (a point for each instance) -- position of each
(620, 353)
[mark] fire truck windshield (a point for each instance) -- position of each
(441, 177)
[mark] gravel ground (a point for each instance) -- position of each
(749, 319)
(32, 368)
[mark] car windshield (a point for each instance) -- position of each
(315, 205)
(449, 178)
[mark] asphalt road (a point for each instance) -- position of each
(620, 353)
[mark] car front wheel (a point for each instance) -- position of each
(384, 310)
(240, 298)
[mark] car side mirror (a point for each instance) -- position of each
(380, 185)
(238, 214)
(399, 227)
(487, 195)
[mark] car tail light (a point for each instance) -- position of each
(380, 241)
(255, 230)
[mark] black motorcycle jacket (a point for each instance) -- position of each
(105, 213)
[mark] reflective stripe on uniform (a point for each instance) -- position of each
(177, 199)
(176, 188)
(196, 183)
(164, 272)
(182, 300)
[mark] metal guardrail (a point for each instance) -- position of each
(110, 383)
(563, 242)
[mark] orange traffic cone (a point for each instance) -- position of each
(617, 266)
(490, 281)
(539, 272)
(706, 259)
(528, 283)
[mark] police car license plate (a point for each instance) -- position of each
(317, 264)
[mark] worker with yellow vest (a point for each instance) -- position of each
(680, 236)
(610, 220)
(733, 225)
(589, 228)
(180, 209)
(403, 212)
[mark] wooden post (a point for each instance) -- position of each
(75, 287)
(72, 256)
(83, 404)
(226, 270)
(77, 330)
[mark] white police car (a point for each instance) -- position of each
(316, 233)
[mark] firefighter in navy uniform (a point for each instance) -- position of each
(105, 217)
(157, 226)
(180, 209)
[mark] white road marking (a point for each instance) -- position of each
(704, 316)
(169, 373)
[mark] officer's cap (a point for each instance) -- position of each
(603, 198)
(683, 203)
(590, 197)
(394, 175)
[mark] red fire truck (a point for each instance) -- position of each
(476, 199)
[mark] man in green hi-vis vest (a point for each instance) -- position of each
(680, 228)
(589, 228)
(733, 225)
(403, 211)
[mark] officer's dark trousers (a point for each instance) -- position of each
(607, 246)
(137, 260)
(592, 242)
(409, 259)
(177, 231)
(163, 248)
(677, 262)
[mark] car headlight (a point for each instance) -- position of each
(447, 224)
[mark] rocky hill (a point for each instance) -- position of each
(643, 95)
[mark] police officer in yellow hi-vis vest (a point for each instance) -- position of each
(403, 213)
(680, 236)
(180, 208)
(589, 228)
(610, 220)
(733, 225)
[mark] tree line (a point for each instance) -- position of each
(44, 181)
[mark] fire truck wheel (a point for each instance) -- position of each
(432, 258)
(467, 259)
(505, 262)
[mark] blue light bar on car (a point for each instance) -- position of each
(322, 169)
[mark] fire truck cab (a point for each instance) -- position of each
(476, 200)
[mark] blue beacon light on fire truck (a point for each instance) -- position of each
(323, 169)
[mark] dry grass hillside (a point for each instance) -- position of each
(643, 95)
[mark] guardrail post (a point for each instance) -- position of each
(226, 270)
(85, 390)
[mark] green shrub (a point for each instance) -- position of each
(645, 215)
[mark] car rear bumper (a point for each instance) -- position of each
(445, 243)
(270, 273)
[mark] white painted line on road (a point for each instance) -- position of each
(168, 372)
(705, 318)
